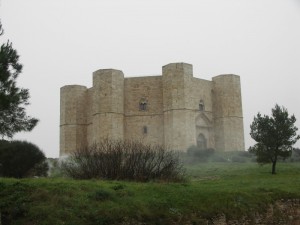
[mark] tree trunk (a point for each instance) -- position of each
(274, 167)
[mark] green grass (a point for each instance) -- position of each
(211, 189)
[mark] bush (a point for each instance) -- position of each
(21, 159)
(195, 154)
(40, 170)
(238, 159)
(124, 160)
(295, 155)
(195, 151)
(218, 158)
(245, 154)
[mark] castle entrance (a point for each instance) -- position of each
(203, 131)
(201, 142)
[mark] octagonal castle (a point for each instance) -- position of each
(176, 110)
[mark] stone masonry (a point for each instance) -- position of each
(176, 110)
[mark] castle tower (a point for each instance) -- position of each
(108, 105)
(228, 114)
(72, 118)
(176, 79)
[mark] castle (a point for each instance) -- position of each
(176, 110)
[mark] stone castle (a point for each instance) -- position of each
(176, 110)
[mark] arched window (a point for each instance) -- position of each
(201, 142)
(143, 104)
(201, 106)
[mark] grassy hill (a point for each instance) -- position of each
(233, 189)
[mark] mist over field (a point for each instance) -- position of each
(64, 42)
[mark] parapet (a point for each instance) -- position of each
(74, 87)
(106, 74)
(226, 77)
(178, 68)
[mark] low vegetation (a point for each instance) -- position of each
(233, 189)
(196, 155)
(124, 160)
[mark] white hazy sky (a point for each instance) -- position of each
(62, 42)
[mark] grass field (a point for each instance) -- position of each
(211, 188)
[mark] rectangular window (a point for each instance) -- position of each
(145, 130)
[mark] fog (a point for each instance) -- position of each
(63, 42)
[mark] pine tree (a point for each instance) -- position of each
(13, 99)
(275, 136)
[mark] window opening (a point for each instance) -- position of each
(143, 104)
(145, 129)
(201, 106)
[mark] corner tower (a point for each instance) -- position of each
(228, 113)
(108, 105)
(72, 118)
(177, 78)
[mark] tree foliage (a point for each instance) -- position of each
(13, 99)
(21, 159)
(275, 135)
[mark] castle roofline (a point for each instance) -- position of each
(72, 86)
(141, 77)
(224, 75)
(177, 65)
(108, 70)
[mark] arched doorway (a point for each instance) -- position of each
(201, 142)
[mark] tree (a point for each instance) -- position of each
(13, 99)
(275, 135)
(21, 159)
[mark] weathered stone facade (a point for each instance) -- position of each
(176, 110)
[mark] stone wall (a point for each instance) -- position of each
(176, 110)
(145, 125)
(201, 92)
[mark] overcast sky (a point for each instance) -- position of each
(61, 42)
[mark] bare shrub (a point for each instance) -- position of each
(124, 160)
